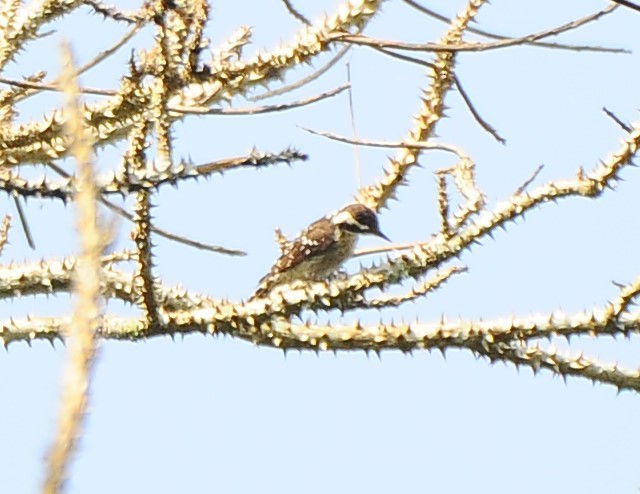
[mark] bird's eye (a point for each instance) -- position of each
(364, 221)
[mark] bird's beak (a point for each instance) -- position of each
(382, 235)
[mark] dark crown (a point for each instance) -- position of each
(357, 218)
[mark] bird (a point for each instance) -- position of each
(321, 248)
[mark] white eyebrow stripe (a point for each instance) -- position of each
(345, 217)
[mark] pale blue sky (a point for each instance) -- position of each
(205, 414)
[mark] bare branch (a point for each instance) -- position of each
(305, 80)
(54, 86)
(612, 116)
(475, 47)
(295, 13)
(427, 146)
(541, 44)
(155, 229)
(261, 109)
(465, 98)
(82, 330)
(628, 4)
(528, 181)
(100, 57)
(483, 123)
(24, 223)
(429, 285)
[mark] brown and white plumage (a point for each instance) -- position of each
(321, 248)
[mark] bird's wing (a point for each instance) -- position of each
(314, 240)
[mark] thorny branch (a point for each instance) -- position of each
(81, 332)
(179, 76)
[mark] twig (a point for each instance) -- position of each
(387, 144)
(482, 122)
(616, 308)
(473, 47)
(296, 13)
(156, 230)
(111, 50)
(429, 285)
(625, 3)
(53, 85)
(613, 117)
(528, 181)
(384, 248)
(41, 86)
(260, 109)
(463, 175)
(465, 98)
(541, 44)
(305, 80)
(24, 223)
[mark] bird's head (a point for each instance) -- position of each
(357, 218)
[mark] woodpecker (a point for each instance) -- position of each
(319, 250)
